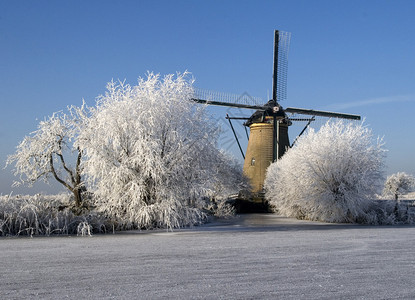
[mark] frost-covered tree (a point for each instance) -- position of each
(151, 153)
(399, 184)
(228, 179)
(46, 152)
(329, 175)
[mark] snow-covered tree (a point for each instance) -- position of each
(329, 175)
(151, 153)
(399, 184)
(46, 152)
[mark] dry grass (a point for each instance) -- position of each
(46, 215)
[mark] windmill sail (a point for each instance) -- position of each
(225, 99)
(281, 47)
(321, 113)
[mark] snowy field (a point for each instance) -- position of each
(249, 257)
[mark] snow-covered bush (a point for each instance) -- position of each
(391, 212)
(221, 209)
(84, 229)
(399, 184)
(228, 179)
(46, 215)
(152, 153)
(330, 175)
(45, 153)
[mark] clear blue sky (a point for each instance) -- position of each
(348, 56)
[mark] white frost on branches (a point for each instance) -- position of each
(330, 175)
(45, 153)
(399, 184)
(152, 153)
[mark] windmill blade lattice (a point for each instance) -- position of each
(243, 100)
(281, 48)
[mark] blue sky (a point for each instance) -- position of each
(348, 56)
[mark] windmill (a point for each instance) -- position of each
(268, 139)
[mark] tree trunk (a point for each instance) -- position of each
(77, 196)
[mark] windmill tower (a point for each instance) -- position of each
(268, 139)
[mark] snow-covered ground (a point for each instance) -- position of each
(250, 257)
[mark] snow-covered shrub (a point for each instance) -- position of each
(391, 212)
(45, 215)
(152, 153)
(399, 184)
(330, 175)
(84, 229)
(228, 179)
(222, 209)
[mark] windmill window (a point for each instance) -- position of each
(253, 161)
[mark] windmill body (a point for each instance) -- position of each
(259, 153)
(268, 139)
